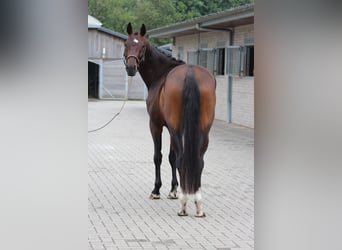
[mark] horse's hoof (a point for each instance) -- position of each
(182, 213)
(172, 196)
(155, 196)
(200, 215)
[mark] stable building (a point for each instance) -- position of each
(107, 77)
(222, 42)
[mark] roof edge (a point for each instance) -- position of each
(207, 20)
(110, 32)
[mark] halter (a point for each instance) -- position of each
(138, 60)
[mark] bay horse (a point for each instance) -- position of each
(182, 98)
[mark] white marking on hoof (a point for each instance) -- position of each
(183, 200)
(172, 196)
(155, 196)
(200, 215)
(182, 213)
(198, 203)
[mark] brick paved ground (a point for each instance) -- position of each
(121, 177)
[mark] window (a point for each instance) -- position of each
(234, 60)
(240, 61)
(203, 54)
(206, 59)
(249, 61)
(192, 57)
(220, 60)
(180, 54)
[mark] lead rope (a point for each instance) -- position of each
(116, 115)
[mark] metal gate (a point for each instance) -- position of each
(116, 85)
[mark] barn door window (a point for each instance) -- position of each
(240, 61)
(206, 58)
(180, 54)
(249, 61)
(192, 57)
(234, 61)
(220, 55)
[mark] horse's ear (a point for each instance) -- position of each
(129, 29)
(142, 30)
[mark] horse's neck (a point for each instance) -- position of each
(155, 67)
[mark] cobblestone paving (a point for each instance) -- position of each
(121, 177)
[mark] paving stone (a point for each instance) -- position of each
(121, 177)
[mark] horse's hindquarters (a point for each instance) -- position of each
(187, 102)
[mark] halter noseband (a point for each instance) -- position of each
(138, 60)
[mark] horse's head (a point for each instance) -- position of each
(135, 47)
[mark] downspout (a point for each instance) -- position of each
(230, 83)
(198, 46)
(230, 78)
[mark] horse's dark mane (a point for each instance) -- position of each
(159, 60)
(170, 57)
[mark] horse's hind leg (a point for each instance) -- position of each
(183, 199)
(198, 203)
(174, 182)
(198, 195)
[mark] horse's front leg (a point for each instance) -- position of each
(156, 134)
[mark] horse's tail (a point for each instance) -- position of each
(191, 168)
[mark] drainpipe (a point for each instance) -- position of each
(230, 78)
(198, 46)
(230, 84)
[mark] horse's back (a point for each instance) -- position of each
(172, 102)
